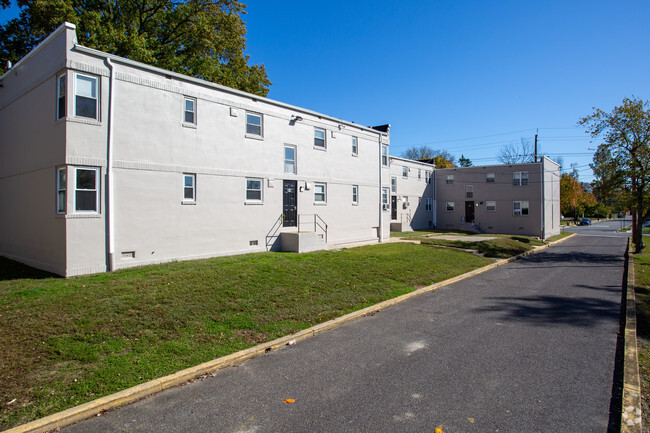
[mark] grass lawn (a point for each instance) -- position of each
(642, 289)
(502, 246)
(67, 341)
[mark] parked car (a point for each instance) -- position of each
(646, 224)
(585, 222)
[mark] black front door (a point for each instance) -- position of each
(290, 203)
(393, 207)
(469, 211)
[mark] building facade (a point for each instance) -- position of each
(411, 195)
(108, 163)
(515, 199)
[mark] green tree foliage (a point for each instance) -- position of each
(622, 162)
(464, 162)
(574, 200)
(201, 38)
(440, 158)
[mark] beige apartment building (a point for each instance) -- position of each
(107, 163)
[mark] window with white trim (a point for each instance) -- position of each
(405, 172)
(355, 146)
(449, 179)
(469, 191)
(320, 193)
(393, 184)
(61, 186)
(319, 138)
(384, 198)
(491, 206)
(520, 208)
(384, 155)
(419, 174)
(61, 87)
(450, 206)
(86, 189)
(490, 177)
(290, 159)
(427, 204)
(189, 187)
(85, 99)
(254, 124)
(355, 194)
(254, 190)
(189, 111)
(427, 177)
(520, 178)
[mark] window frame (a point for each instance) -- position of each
(61, 188)
(469, 191)
(520, 178)
(355, 146)
(191, 187)
(384, 155)
(393, 184)
(96, 190)
(428, 204)
(419, 174)
(317, 139)
(260, 126)
(194, 111)
(520, 211)
(450, 206)
(385, 194)
(405, 172)
(491, 207)
(61, 99)
(95, 98)
(427, 176)
(254, 190)
(295, 158)
(355, 194)
(490, 177)
(323, 193)
(449, 179)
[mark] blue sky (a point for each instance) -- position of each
(464, 76)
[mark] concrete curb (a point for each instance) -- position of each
(130, 395)
(631, 415)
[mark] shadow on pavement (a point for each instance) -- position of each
(573, 257)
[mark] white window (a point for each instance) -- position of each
(355, 146)
(419, 174)
(253, 189)
(520, 208)
(60, 96)
(86, 189)
(254, 124)
(449, 179)
(290, 159)
(384, 155)
(85, 96)
(427, 204)
(450, 206)
(489, 177)
(319, 137)
(393, 184)
(405, 172)
(189, 187)
(520, 178)
(384, 198)
(491, 206)
(427, 176)
(61, 183)
(355, 194)
(320, 193)
(469, 191)
(189, 113)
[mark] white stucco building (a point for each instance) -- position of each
(108, 163)
(411, 195)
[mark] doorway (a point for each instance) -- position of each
(290, 203)
(469, 211)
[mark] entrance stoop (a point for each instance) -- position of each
(302, 242)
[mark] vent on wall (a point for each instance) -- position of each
(128, 255)
(252, 243)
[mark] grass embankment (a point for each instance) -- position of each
(501, 246)
(68, 341)
(642, 291)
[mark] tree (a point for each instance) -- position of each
(513, 153)
(201, 38)
(440, 158)
(573, 197)
(464, 162)
(622, 162)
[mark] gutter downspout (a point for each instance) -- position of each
(381, 196)
(541, 165)
(110, 232)
(434, 190)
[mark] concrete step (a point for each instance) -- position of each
(302, 242)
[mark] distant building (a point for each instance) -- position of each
(411, 195)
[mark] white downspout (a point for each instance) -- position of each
(434, 205)
(541, 166)
(109, 171)
(381, 193)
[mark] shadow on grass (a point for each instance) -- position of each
(12, 270)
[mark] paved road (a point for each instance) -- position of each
(527, 347)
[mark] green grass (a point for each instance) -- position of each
(642, 291)
(67, 341)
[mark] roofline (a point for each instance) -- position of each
(133, 63)
(493, 165)
(38, 47)
(412, 160)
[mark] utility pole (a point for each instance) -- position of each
(536, 144)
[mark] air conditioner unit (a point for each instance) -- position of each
(385, 207)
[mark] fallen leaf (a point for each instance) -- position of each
(439, 429)
(470, 420)
(289, 400)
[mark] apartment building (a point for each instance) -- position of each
(411, 195)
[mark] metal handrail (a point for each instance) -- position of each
(317, 221)
(272, 234)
